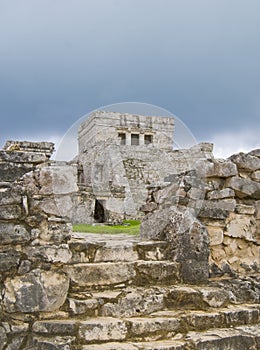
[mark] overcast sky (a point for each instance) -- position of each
(199, 59)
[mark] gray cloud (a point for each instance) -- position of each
(60, 59)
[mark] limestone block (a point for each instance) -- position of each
(149, 272)
(215, 235)
(256, 176)
(255, 153)
(8, 260)
(10, 212)
(58, 180)
(244, 187)
(216, 168)
(10, 195)
(245, 209)
(58, 206)
(36, 291)
(116, 252)
(217, 209)
(50, 253)
(79, 307)
(218, 253)
(60, 327)
(225, 193)
(144, 326)
(215, 297)
(12, 234)
(100, 274)
(56, 343)
(22, 157)
(246, 161)
(136, 302)
(13, 171)
(102, 329)
(241, 226)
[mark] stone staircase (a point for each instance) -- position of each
(127, 294)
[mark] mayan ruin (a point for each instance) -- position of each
(189, 281)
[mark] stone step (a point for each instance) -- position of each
(138, 300)
(121, 274)
(160, 325)
(239, 338)
(88, 248)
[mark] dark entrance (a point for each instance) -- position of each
(99, 213)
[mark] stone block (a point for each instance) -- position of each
(102, 329)
(241, 226)
(59, 327)
(135, 302)
(256, 176)
(245, 209)
(86, 306)
(58, 180)
(215, 235)
(100, 274)
(3, 338)
(12, 234)
(13, 171)
(51, 343)
(246, 161)
(216, 168)
(221, 194)
(116, 252)
(10, 212)
(143, 327)
(217, 209)
(35, 291)
(244, 188)
(8, 260)
(149, 272)
(22, 157)
(49, 253)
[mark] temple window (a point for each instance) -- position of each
(148, 139)
(134, 139)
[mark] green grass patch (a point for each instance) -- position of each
(130, 227)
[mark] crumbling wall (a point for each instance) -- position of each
(224, 195)
(33, 243)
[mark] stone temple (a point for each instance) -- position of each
(119, 156)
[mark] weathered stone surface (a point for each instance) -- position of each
(245, 209)
(149, 272)
(36, 291)
(216, 168)
(79, 307)
(221, 194)
(55, 343)
(12, 234)
(256, 176)
(13, 171)
(100, 274)
(135, 302)
(8, 260)
(244, 187)
(116, 251)
(59, 327)
(10, 212)
(58, 180)
(111, 346)
(217, 209)
(155, 327)
(51, 253)
(22, 157)
(241, 226)
(246, 161)
(3, 338)
(102, 329)
(216, 235)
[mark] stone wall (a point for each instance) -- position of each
(224, 195)
(33, 243)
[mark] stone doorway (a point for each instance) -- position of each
(99, 212)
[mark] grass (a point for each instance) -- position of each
(130, 227)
